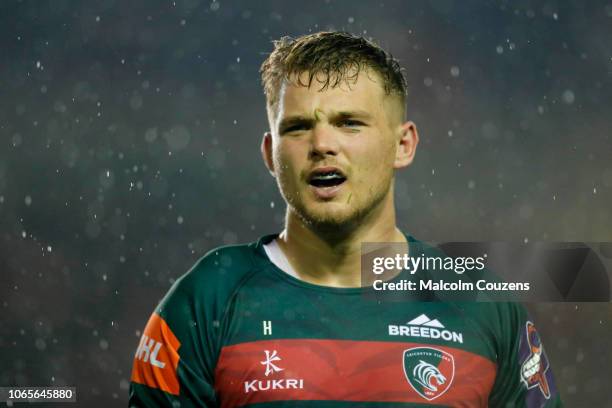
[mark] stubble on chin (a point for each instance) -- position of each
(336, 221)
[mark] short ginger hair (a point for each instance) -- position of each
(330, 57)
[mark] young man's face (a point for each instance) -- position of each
(334, 152)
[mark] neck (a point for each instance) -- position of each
(333, 258)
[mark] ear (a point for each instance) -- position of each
(407, 144)
(266, 152)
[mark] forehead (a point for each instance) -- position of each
(363, 92)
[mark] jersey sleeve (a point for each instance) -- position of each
(524, 375)
(174, 362)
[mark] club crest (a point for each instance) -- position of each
(429, 371)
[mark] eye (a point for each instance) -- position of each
(294, 128)
(350, 123)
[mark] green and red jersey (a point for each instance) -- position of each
(238, 331)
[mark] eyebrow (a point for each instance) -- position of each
(290, 121)
(353, 114)
(308, 120)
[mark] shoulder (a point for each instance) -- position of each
(213, 280)
(227, 264)
(500, 322)
(220, 270)
(494, 314)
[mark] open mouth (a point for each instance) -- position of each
(331, 178)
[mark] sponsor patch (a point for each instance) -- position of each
(156, 359)
(535, 367)
(429, 371)
(271, 367)
(424, 327)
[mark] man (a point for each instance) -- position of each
(284, 321)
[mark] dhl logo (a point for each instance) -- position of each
(156, 360)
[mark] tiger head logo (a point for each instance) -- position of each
(429, 371)
(425, 373)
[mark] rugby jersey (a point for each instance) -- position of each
(236, 331)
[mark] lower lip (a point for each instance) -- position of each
(326, 193)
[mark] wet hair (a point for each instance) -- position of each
(330, 58)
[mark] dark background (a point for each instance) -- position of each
(129, 136)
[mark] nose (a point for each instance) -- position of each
(324, 141)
